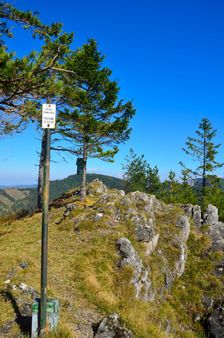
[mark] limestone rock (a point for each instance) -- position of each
(140, 196)
(149, 202)
(126, 201)
(110, 198)
(96, 186)
(216, 228)
(129, 213)
(184, 224)
(140, 280)
(169, 278)
(208, 302)
(211, 216)
(216, 232)
(140, 209)
(197, 215)
(215, 322)
(180, 264)
(129, 257)
(106, 203)
(98, 216)
(193, 211)
(188, 209)
(144, 229)
(69, 208)
(151, 245)
(110, 327)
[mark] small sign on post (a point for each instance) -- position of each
(48, 116)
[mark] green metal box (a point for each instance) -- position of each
(52, 316)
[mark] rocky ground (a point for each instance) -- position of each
(121, 265)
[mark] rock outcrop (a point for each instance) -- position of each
(69, 208)
(140, 211)
(216, 232)
(209, 219)
(211, 216)
(111, 327)
(184, 224)
(96, 186)
(140, 280)
(194, 212)
(215, 228)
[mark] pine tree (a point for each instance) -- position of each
(203, 150)
(153, 183)
(187, 193)
(135, 172)
(170, 190)
(214, 193)
(140, 176)
(96, 121)
(25, 81)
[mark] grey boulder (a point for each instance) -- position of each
(214, 323)
(140, 279)
(211, 216)
(111, 327)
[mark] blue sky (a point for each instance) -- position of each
(167, 56)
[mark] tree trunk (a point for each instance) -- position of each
(40, 174)
(83, 182)
(203, 175)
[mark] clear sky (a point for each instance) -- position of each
(168, 56)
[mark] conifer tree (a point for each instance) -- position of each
(187, 193)
(25, 81)
(214, 194)
(153, 183)
(96, 121)
(203, 150)
(135, 172)
(170, 192)
(139, 175)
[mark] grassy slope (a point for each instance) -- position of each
(83, 274)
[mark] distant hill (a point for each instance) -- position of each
(25, 200)
(59, 187)
(197, 184)
(19, 186)
(12, 199)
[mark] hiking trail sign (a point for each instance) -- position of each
(48, 116)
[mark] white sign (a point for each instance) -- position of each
(48, 115)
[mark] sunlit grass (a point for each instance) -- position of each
(83, 272)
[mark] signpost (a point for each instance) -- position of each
(48, 123)
(48, 115)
